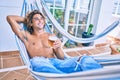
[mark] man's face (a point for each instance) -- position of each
(38, 21)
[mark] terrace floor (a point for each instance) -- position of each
(13, 68)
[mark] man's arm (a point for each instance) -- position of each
(58, 49)
(14, 21)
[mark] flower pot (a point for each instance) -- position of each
(84, 35)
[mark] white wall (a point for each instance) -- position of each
(104, 20)
(7, 39)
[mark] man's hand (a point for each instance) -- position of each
(57, 44)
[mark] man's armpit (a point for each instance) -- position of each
(20, 29)
(25, 38)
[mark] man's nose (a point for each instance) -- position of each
(40, 19)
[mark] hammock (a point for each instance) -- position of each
(66, 34)
(111, 64)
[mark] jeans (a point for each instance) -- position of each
(69, 65)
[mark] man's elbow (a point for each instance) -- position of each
(8, 18)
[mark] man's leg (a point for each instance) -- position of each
(68, 65)
(88, 63)
(41, 64)
(76, 64)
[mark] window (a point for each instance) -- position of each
(57, 8)
(116, 8)
(78, 17)
(75, 12)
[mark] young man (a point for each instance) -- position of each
(36, 39)
(36, 42)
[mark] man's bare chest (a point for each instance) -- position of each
(38, 43)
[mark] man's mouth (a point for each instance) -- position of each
(39, 24)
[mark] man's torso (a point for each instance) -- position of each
(38, 46)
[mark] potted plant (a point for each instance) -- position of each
(88, 34)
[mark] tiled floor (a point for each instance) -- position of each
(98, 50)
(21, 74)
(13, 68)
(10, 59)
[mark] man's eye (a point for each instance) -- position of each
(36, 19)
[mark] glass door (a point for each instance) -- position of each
(73, 16)
(116, 8)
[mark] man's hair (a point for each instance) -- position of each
(29, 18)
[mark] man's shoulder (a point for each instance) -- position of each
(46, 33)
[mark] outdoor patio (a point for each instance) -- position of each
(13, 68)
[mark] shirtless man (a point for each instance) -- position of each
(42, 55)
(36, 40)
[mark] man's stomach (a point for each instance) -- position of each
(44, 52)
